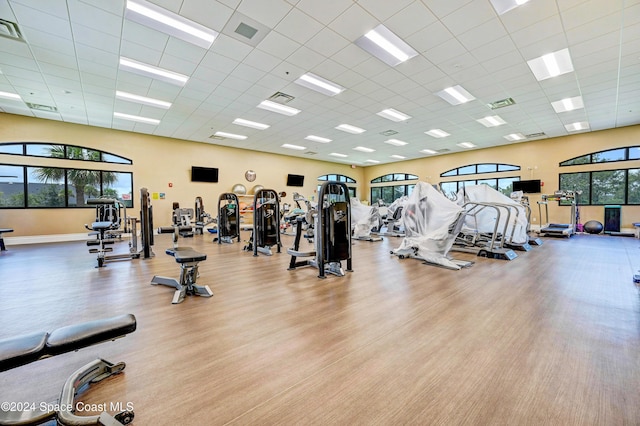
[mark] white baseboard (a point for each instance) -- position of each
(54, 238)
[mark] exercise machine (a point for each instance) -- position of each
(266, 223)
(202, 218)
(184, 219)
(107, 230)
(332, 226)
(188, 259)
(519, 197)
(228, 218)
(23, 350)
(558, 229)
(364, 220)
(489, 245)
(2, 231)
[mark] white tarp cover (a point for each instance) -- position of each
(428, 216)
(485, 220)
(363, 218)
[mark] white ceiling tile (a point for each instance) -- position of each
(411, 19)
(325, 11)
(298, 26)
(267, 12)
(468, 16)
(445, 51)
(442, 8)
(211, 14)
(353, 23)
(278, 45)
(383, 10)
(430, 37)
(327, 42)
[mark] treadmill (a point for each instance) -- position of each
(558, 229)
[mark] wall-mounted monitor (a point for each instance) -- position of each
(204, 174)
(528, 186)
(295, 180)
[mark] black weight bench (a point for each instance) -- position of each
(2, 231)
(22, 350)
(188, 259)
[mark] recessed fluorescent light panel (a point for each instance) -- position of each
(567, 104)
(371, 161)
(319, 84)
(503, 6)
(466, 145)
(363, 149)
(437, 133)
(137, 118)
(335, 154)
(252, 124)
(396, 142)
(350, 129)
(318, 139)
(142, 100)
(150, 71)
(230, 136)
(394, 115)
(491, 121)
(279, 108)
(12, 96)
(551, 64)
(428, 151)
(399, 157)
(574, 127)
(386, 46)
(152, 16)
(296, 147)
(455, 95)
(514, 137)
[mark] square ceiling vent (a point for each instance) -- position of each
(245, 29)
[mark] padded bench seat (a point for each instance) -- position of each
(21, 350)
(186, 254)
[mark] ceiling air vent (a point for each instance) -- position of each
(10, 30)
(219, 138)
(389, 133)
(535, 135)
(246, 30)
(440, 151)
(502, 103)
(310, 153)
(40, 107)
(281, 98)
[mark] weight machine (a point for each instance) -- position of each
(332, 225)
(228, 218)
(266, 223)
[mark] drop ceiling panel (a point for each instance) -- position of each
(298, 26)
(410, 19)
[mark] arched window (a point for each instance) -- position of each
(340, 178)
(41, 185)
(390, 193)
(618, 154)
(476, 169)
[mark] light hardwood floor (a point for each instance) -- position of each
(552, 337)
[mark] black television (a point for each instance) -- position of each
(295, 180)
(528, 186)
(204, 174)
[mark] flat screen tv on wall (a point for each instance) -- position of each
(204, 174)
(527, 186)
(295, 180)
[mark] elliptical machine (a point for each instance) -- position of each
(228, 218)
(266, 223)
(332, 224)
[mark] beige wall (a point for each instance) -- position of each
(159, 161)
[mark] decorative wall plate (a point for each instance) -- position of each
(250, 175)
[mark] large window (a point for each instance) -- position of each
(475, 169)
(49, 150)
(60, 187)
(617, 154)
(504, 185)
(602, 187)
(339, 178)
(390, 193)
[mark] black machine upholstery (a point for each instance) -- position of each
(21, 350)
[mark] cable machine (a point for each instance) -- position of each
(266, 223)
(228, 218)
(332, 225)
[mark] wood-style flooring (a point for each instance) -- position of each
(550, 338)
